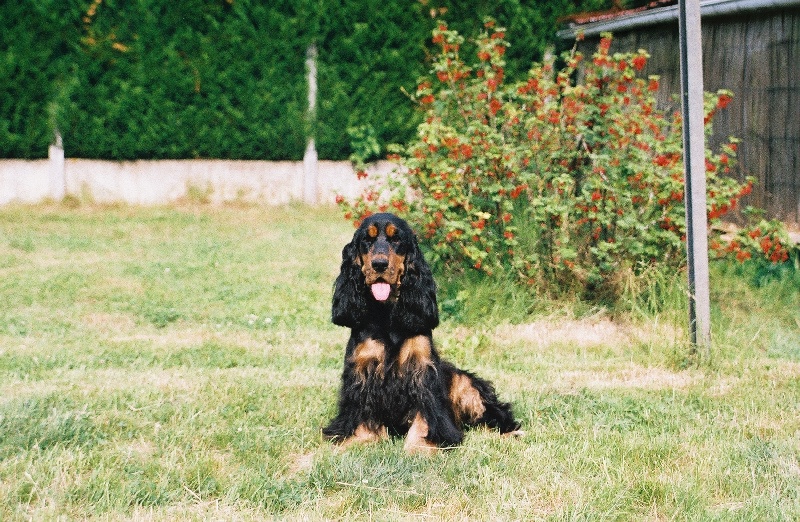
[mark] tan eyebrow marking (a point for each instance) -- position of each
(372, 231)
(391, 230)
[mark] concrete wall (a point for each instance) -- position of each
(157, 182)
(22, 180)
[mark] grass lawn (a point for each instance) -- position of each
(178, 364)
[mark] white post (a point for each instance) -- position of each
(694, 164)
(310, 156)
(58, 181)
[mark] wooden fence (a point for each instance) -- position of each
(756, 54)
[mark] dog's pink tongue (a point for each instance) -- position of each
(380, 291)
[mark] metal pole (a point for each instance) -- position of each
(694, 164)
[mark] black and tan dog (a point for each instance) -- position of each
(394, 382)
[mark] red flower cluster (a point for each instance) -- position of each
(765, 242)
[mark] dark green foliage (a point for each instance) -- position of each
(162, 79)
(34, 41)
(369, 51)
(227, 78)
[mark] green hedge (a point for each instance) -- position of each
(33, 49)
(164, 79)
(226, 78)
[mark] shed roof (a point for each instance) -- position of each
(656, 13)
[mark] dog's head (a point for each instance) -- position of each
(384, 272)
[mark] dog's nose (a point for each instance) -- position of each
(379, 264)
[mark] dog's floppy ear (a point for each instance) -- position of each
(349, 304)
(416, 309)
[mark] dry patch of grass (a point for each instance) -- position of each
(110, 323)
(633, 376)
(586, 333)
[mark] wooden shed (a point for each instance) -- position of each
(751, 47)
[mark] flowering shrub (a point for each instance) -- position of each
(568, 179)
(764, 242)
